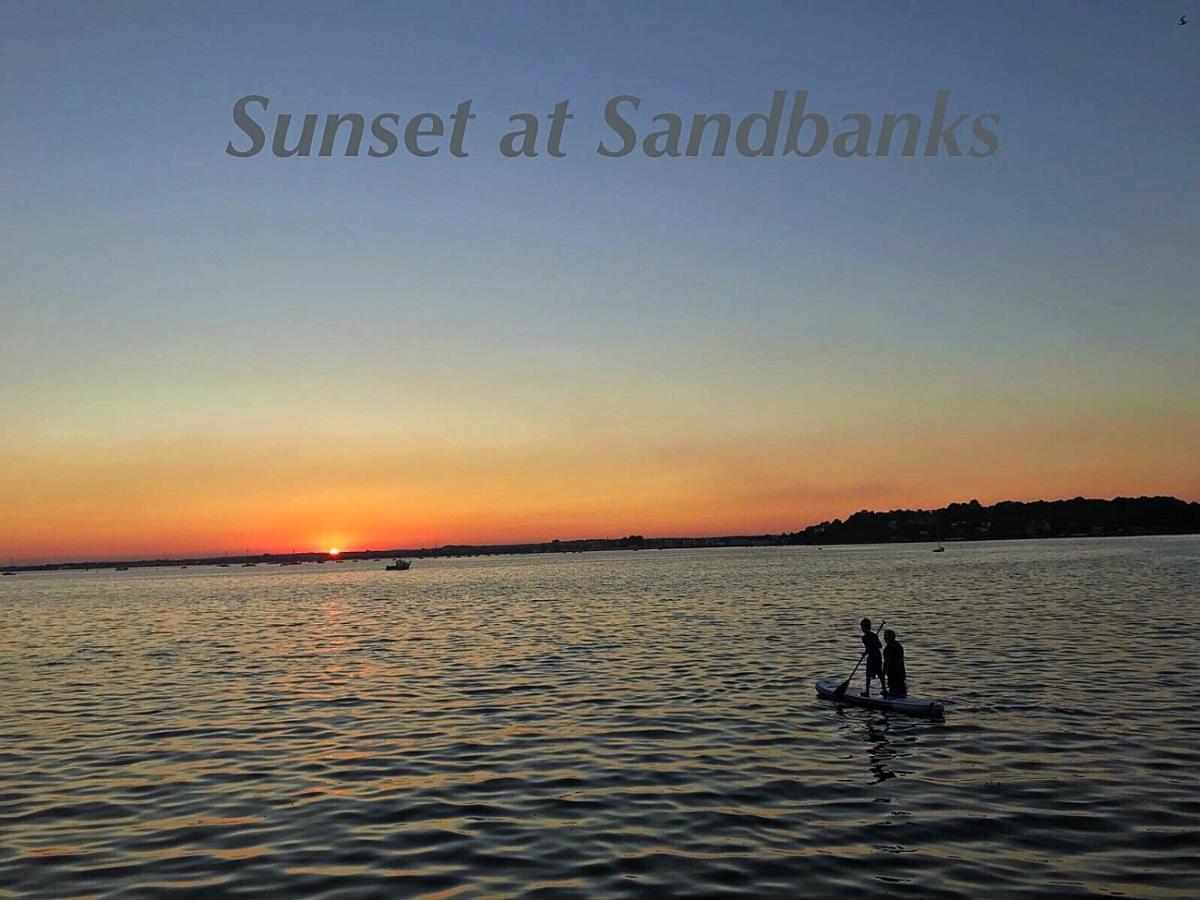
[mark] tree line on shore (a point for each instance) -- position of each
(1010, 519)
(972, 521)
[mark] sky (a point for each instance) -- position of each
(202, 353)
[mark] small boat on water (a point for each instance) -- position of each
(910, 706)
(8, 573)
(400, 565)
(939, 549)
(121, 569)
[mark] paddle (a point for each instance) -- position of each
(844, 686)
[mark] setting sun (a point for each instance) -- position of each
(334, 551)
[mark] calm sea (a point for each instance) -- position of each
(610, 724)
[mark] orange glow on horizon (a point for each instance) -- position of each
(82, 500)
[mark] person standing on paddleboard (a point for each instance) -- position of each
(893, 666)
(874, 658)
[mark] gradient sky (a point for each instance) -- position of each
(203, 353)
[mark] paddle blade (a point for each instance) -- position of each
(841, 690)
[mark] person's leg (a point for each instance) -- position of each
(872, 672)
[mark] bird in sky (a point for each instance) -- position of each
(1183, 20)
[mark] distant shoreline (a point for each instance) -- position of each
(1007, 520)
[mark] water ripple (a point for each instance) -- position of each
(637, 724)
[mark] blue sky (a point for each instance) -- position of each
(155, 288)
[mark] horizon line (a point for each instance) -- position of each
(208, 557)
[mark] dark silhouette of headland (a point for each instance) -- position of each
(1008, 520)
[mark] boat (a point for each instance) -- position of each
(939, 549)
(8, 573)
(400, 565)
(910, 706)
(121, 569)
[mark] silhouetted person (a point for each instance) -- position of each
(893, 666)
(874, 660)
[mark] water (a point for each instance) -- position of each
(613, 724)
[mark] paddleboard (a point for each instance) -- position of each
(910, 706)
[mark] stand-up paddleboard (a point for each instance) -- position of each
(910, 706)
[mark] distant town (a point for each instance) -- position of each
(1008, 520)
